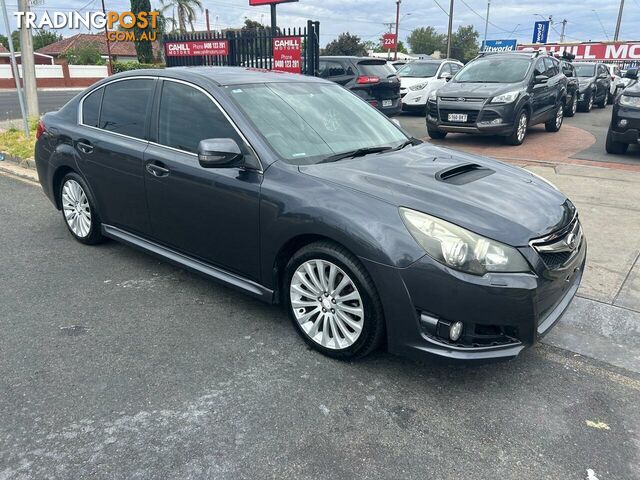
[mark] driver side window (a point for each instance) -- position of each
(540, 68)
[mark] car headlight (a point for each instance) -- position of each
(506, 97)
(629, 101)
(461, 249)
(418, 86)
(432, 95)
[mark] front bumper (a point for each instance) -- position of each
(414, 99)
(502, 313)
(482, 117)
(630, 132)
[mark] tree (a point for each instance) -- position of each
(86, 54)
(346, 44)
(185, 9)
(426, 40)
(42, 38)
(144, 48)
(4, 41)
(464, 43)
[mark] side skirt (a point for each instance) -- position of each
(231, 279)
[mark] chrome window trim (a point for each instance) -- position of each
(189, 84)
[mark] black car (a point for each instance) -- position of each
(624, 129)
(573, 88)
(295, 191)
(500, 94)
(595, 84)
(372, 79)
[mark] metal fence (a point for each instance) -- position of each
(251, 48)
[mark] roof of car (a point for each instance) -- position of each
(350, 57)
(224, 75)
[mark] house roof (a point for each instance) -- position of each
(123, 49)
(3, 49)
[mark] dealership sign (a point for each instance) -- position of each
(540, 32)
(287, 54)
(594, 51)
(389, 41)
(499, 45)
(196, 48)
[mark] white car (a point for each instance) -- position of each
(617, 82)
(420, 77)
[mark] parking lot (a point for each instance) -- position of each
(116, 365)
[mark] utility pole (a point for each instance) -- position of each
(564, 25)
(450, 30)
(206, 16)
(106, 37)
(14, 69)
(617, 34)
(486, 25)
(28, 63)
(395, 51)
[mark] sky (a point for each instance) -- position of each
(592, 20)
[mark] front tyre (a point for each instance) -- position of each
(78, 211)
(333, 302)
(617, 148)
(555, 123)
(519, 129)
(436, 134)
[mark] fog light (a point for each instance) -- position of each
(623, 122)
(417, 100)
(432, 119)
(455, 330)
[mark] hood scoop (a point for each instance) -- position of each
(463, 173)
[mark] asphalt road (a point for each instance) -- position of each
(116, 365)
(48, 100)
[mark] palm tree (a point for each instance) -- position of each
(186, 10)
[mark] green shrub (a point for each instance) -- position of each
(126, 66)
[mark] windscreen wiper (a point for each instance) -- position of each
(360, 152)
(406, 143)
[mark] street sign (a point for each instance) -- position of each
(287, 54)
(389, 41)
(540, 32)
(196, 48)
(499, 45)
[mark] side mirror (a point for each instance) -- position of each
(540, 79)
(446, 77)
(218, 153)
(632, 74)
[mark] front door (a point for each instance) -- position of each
(541, 94)
(110, 142)
(208, 213)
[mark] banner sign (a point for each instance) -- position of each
(598, 51)
(195, 48)
(540, 32)
(287, 54)
(389, 41)
(499, 45)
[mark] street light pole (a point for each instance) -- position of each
(564, 25)
(395, 50)
(450, 29)
(615, 36)
(28, 63)
(486, 24)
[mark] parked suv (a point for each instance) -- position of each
(372, 79)
(500, 94)
(419, 78)
(595, 85)
(625, 120)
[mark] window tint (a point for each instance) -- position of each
(376, 69)
(445, 69)
(124, 108)
(602, 69)
(494, 69)
(550, 67)
(91, 108)
(187, 116)
(419, 69)
(331, 69)
(540, 67)
(567, 69)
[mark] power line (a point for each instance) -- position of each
(484, 18)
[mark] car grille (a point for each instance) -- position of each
(472, 115)
(462, 99)
(557, 249)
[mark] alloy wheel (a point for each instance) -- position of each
(522, 127)
(326, 304)
(590, 102)
(574, 105)
(76, 208)
(559, 116)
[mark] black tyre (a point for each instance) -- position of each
(333, 302)
(555, 123)
(78, 210)
(610, 98)
(436, 134)
(617, 148)
(588, 104)
(519, 129)
(602, 103)
(572, 108)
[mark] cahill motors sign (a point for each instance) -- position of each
(196, 48)
(287, 54)
(594, 51)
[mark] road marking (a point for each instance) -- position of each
(598, 425)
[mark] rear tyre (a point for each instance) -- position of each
(436, 134)
(333, 302)
(519, 129)
(602, 103)
(571, 110)
(78, 210)
(555, 123)
(616, 148)
(588, 104)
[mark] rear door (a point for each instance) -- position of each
(603, 81)
(111, 142)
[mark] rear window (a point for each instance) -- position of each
(377, 69)
(124, 109)
(91, 108)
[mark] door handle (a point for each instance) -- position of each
(84, 146)
(157, 170)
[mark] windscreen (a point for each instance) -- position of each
(418, 69)
(494, 70)
(585, 70)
